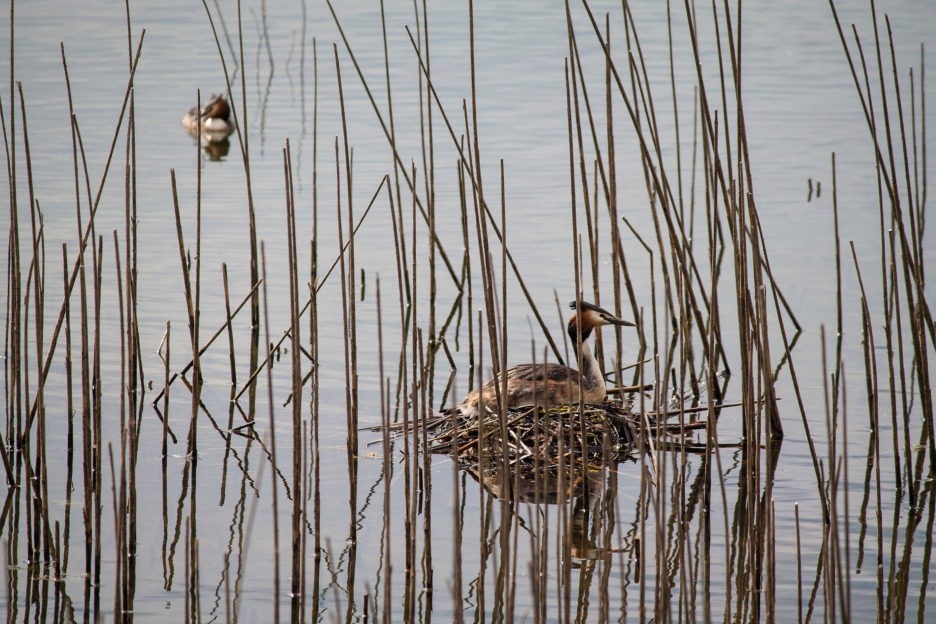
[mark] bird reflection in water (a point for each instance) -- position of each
(591, 490)
(212, 125)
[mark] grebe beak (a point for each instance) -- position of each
(613, 320)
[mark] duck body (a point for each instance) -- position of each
(549, 385)
(214, 118)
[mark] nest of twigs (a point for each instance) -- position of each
(546, 439)
(598, 433)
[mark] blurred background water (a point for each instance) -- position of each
(800, 107)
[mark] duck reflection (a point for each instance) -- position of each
(216, 150)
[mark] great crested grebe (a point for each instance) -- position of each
(214, 118)
(547, 385)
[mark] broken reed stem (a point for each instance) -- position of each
(412, 464)
(120, 499)
(134, 371)
(391, 138)
(195, 318)
(312, 305)
(165, 408)
(273, 456)
(346, 266)
(296, 576)
(387, 467)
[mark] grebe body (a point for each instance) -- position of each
(214, 118)
(549, 385)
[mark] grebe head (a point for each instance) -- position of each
(591, 316)
(216, 108)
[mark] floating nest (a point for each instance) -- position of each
(537, 438)
(598, 433)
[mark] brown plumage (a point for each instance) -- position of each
(548, 385)
(214, 118)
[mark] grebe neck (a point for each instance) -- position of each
(591, 372)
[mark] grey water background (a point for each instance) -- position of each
(800, 106)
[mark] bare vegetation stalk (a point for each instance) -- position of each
(570, 533)
(273, 455)
(296, 368)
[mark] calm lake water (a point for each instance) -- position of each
(800, 108)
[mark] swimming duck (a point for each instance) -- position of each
(215, 120)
